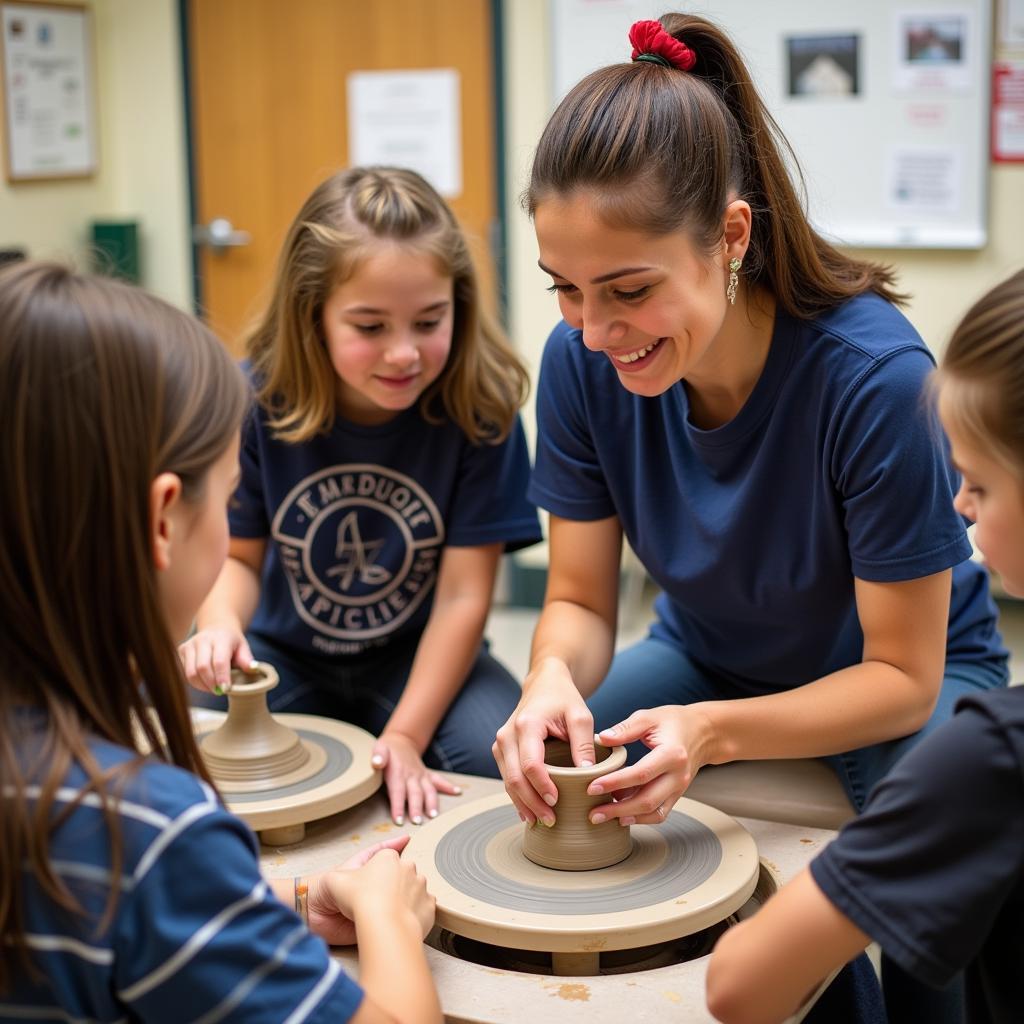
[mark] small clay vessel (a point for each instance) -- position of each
(252, 752)
(573, 843)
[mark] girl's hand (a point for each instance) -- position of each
(333, 895)
(550, 706)
(408, 779)
(208, 656)
(645, 792)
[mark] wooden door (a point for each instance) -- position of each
(269, 120)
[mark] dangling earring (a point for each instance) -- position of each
(730, 293)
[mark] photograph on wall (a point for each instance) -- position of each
(933, 50)
(825, 66)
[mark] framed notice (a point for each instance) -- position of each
(49, 111)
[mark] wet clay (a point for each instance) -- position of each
(573, 843)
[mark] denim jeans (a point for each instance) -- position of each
(365, 693)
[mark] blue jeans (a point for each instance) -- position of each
(655, 672)
(366, 692)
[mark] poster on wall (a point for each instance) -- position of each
(46, 54)
(1008, 111)
(408, 119)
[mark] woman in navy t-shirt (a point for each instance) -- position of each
(741, 402)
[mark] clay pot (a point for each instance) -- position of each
(251, 751)
(573, 843)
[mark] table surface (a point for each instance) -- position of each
(472, 994)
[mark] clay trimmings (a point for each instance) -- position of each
(339, 758)
(692, 853)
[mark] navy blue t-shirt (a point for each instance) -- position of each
(197, 933)
(755, 530)
(933, 870)
(356, 520)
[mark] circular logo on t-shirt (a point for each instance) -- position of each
(360, 546)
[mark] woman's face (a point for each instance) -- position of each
(653, 304)
(992, 496)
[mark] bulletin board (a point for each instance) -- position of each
(47, 89)
(886, 104)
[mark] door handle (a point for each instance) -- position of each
(219, 234)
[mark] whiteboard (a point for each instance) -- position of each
(885, 104)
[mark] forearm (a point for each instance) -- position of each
(446, 652)
(864, 704)
(765, 969)
(578, 637)
(390, 937)
(233, 599)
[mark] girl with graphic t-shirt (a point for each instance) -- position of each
(933, 870)
(127, 891)
(384, 472)
(741, 401)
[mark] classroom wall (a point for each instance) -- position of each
(142, 173)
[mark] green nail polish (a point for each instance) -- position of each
(217, 690)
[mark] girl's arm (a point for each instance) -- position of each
(446, 652)
(891, 692)
(572, 649)
(219, 641)
(763, 970)
(389, 910)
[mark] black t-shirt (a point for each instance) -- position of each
(933, 870)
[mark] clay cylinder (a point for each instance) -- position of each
(573, 843)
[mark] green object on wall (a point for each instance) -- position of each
(115, 249)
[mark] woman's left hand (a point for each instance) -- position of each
(409, 781)
(326, 919)
(645, 792)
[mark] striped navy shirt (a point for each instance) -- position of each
(197, 936)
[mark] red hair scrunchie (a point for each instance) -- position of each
(649, 38)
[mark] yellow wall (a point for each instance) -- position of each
(142, 173)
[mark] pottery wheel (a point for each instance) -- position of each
(278, 772)
(682, 876)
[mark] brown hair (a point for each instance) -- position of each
(981, 375)
(103, 387)
(666, 150)
(483, 383)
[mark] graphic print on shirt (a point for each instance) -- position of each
(360, 546)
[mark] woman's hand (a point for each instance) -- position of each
(209, 655)
(409, 781)
(550, 706)
(645, 792)
(374, 875)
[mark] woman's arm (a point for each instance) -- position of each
(572, 649)
(891, 692)
(763, 970)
